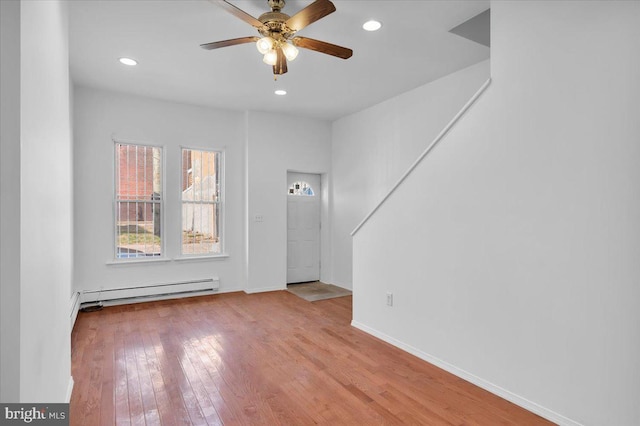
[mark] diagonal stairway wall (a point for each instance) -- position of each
(512, 249)
(370, 150)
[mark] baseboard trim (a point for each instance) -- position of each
(157, 298)
(339, 285)
(75, 308)
(69, 390)
(264, 289)
(484, 384)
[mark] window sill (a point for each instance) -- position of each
(205, 257)
(166, 259)
(138, 261)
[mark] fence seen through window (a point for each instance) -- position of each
(201, 202)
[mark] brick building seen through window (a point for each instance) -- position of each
(138, 201)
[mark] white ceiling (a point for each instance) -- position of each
(413, 47)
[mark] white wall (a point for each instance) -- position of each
(516, 241)
(259, 149)
(45, 203)
(99, 117)
(10, 205)
(277, 144)
(373, 148)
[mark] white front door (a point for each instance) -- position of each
(303, 227)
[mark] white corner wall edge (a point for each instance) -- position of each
(437, 139)
(69, 390)
(488, 386)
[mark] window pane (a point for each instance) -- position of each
(199, 234)
(138, 201)
(301, 188)
(138, 233)
(139, 172)
(200, 202)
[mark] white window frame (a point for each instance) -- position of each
(220, 202)
(116, 200)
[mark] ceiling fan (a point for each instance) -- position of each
(278, 42)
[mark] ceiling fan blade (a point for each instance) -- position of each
(281, 63)
(231, 42)
(238, 13)
(310, 14)
(322, 47)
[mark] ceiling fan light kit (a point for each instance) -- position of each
(279, 43)
(270, 58)
(290, 51)
(265, 44)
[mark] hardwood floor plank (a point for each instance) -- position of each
(165, 414)
(107, 397)
(261, 359)
(196, 375)
(147, 393)
(134, 392)
(121, 390)
(180, 387)
(166, 389)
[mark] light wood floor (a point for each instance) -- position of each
(270, 359)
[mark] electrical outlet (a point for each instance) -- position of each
(259, 218)
(389, 299)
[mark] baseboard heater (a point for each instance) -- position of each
(156, 291)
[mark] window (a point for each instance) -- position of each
(138, 201)
(201, 202)
(301, 188)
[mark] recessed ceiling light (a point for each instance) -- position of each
(372, 25)
(280, 92)
(128, 61)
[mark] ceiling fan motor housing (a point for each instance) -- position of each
(276, 5)
(274, 25)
